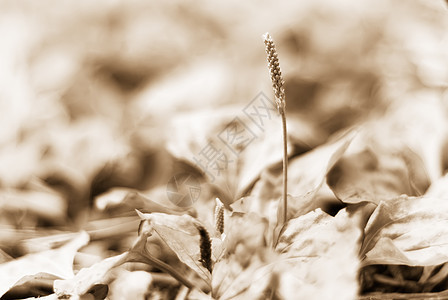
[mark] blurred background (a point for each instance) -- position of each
(91, 93)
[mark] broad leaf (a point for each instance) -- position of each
(182, 236)
(57, 262)
(32, 285)
(419, 121)
(306, 175)
(320, 256)
(245, 270)
(231, 280)
(411, 231)
(126, 199)
(232, 146)
(377, 174)
(249, 229)
(86, 278)
(395, 155)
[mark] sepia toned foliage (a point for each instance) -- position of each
(143, 151)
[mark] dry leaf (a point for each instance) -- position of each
(407, 230)
(58, 262)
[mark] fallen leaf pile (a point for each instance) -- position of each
(141, 150)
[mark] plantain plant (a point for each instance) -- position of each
(280, 100)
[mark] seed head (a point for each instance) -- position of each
(275, 72)
(206, 247)
(219, 216)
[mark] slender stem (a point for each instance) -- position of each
(280, 99)
(285, 166)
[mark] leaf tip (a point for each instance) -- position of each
(141, 215)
